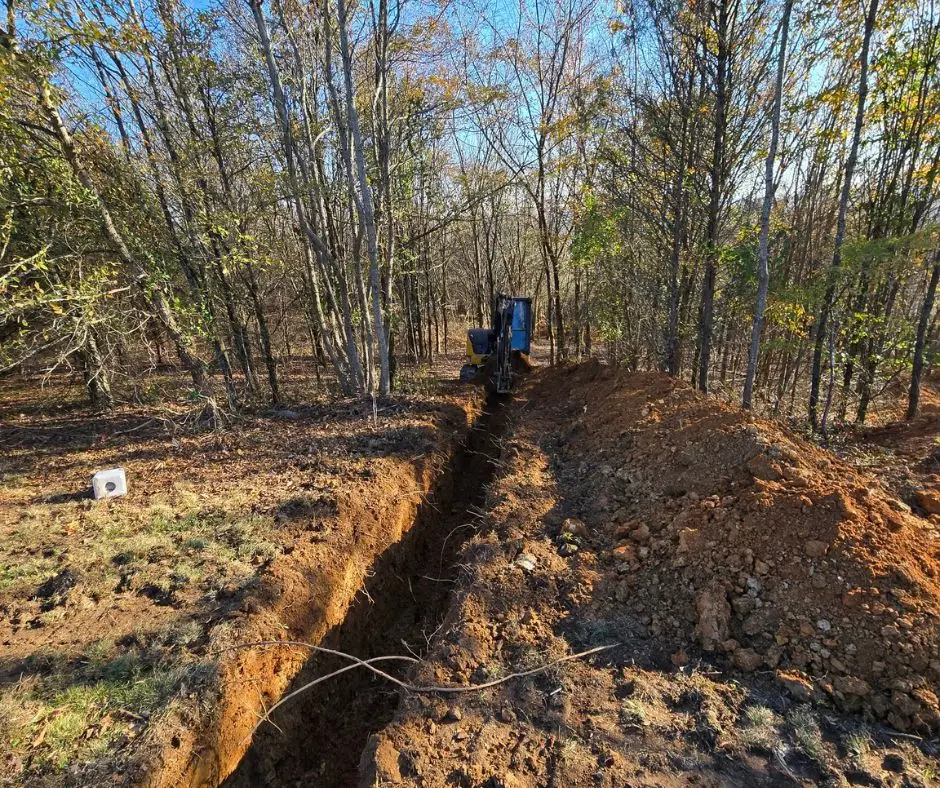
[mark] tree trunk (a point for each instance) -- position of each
(872, 349)
(552, 357)
(706, 309)
(444, 289)
(95, 374)
(769, 187)
(366, 208)
(832, 380)
(835, 267)
(348, 370)
(926, 310)
(269, 360)
(678, 230)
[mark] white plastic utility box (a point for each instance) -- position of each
(109, 484)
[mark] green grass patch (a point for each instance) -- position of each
(857, 743)
(77, 711)
(29, 572)
(807, 735)
(633, 713)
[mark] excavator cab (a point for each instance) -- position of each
(508, 338)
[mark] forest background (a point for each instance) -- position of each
(740, 192)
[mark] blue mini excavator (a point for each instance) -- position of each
(498, 347)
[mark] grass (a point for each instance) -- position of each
(574, 756)
(69, 709)
(80, 709)
(807, 735)
(157, 547)
(568, 751)
(176, 634)
(29, 572)
(857, 743)
(137, 547)
(930, 773)
(760, 729)
(633, 713)
(532, 656)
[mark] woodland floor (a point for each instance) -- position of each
(775, 607)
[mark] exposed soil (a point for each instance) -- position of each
(303, 597)
(777, 613)
(317, 739)
(774, 612)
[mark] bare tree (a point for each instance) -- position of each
(836, 264)
(923, 323)
(769, 189)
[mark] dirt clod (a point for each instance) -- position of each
(57, 587)
(815, 549)
(574, 527)
(714, 615)
(747, 659)
(929, 500)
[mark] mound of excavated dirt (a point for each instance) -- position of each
(734, 536)
(630, 509)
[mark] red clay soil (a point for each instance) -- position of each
(708, 543)
(300, 597)
(318, 736)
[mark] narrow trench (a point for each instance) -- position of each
(321, 734)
